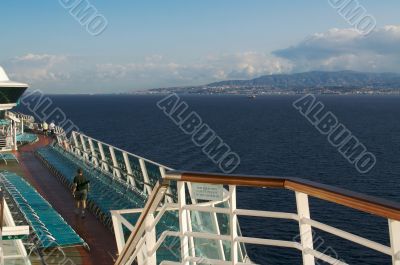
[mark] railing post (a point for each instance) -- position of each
(85, 151)
(394, 231)
(76, 145)
(15, 146)
(303, 210)
(118, 232)
(145, 176)
(116, 171)
(103, 157)
(60, 141)
(141, 255)
(183, 224)
(94, 155)
(129, 177)
(73, 134)
(192, 247)
(214, 221)
(150, 240)
(167, 199)
(233, 224)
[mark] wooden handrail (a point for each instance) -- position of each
(369, 204)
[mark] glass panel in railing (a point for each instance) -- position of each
(173, 192)
(96, 151)
(132, 219)
(136, 172)
(108, 158)
(206, 222)
(83, 141)
(223, 219)
(153, 171)
(121, 164)
(224, 227)
(85, 144)
(170, 249)
(77, 141)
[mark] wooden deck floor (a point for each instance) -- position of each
(101, 240)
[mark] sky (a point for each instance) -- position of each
(131, 45)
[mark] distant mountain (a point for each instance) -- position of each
(318, 82)
(318, 79)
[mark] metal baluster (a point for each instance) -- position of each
(150, 236)
(303, 210)
(233, 224)
(394, 230)
(129, 177)
(183, 225)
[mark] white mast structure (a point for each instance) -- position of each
(10, 92)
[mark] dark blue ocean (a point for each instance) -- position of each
(271, 138)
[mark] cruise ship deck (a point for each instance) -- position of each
(142, 212)
(101, 240)
(171, 217)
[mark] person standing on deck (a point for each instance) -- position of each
(80, 191)
(45, 127)
(52, 127)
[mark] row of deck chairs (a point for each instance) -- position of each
(51, 230)
(106, 194)
(4, 122)
(8, 157)
(27, 138)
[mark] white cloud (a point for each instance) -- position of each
(37, 67)
(212, 68)
(339, 49)
(59, 73)
(336, 49)
(247, 65)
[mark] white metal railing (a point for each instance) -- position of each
(29, 122)
(138, 173)
(18, 255)
(24, 117)
(3, 142)
(59, 131)
(25, 121)
(143, 243)
(135, 171)
(8, 133)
